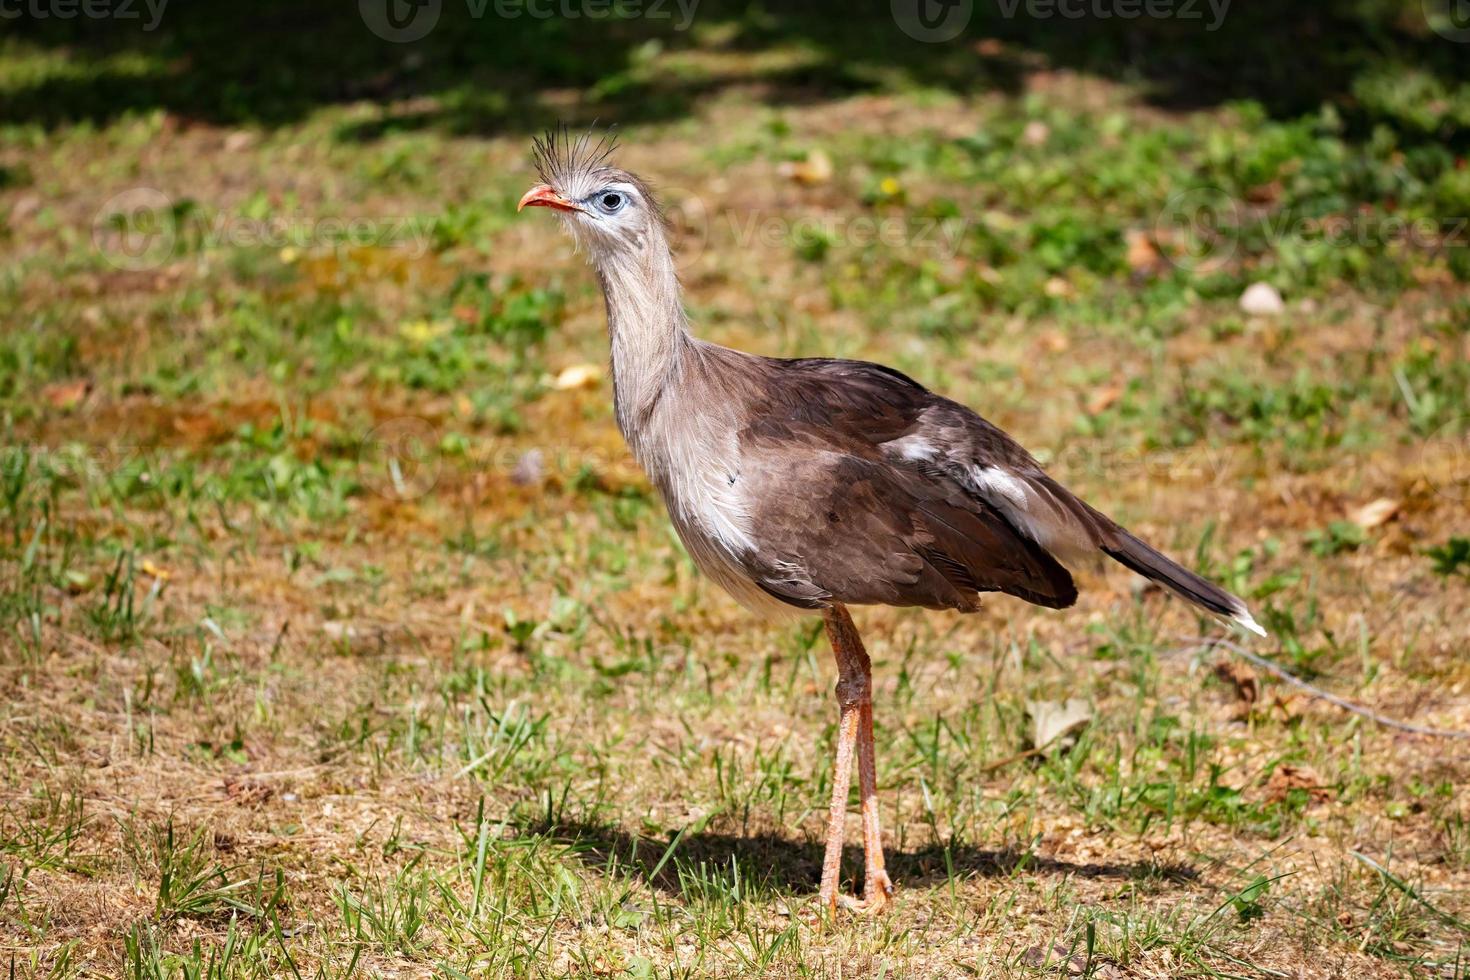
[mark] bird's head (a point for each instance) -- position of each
(608, 210)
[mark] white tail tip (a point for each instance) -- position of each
(1245, 620)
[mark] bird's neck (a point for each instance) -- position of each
(647, 330)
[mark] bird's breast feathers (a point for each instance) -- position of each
(696, 465)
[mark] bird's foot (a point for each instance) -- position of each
(877, 894)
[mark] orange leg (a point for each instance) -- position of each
(854, 729)
(837, 811)
(877, 886)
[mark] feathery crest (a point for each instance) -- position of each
(573, 164)
(558, 156)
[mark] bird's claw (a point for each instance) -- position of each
(877, 894)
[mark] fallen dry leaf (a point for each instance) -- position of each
(1141, 252)
(246, 792)
(1052, 721)
(1239, 676)
(422, 332)
(1054, 341)
(239, 141)
(1432, 275)
(1058, 288)
(1056, 958)
(1264, 193)
(66, 395)
(196, 427)
(153, 571)
(1375, 513)
(815, 169)
(989, 274)
(1286, 778)
(1288, 708)
(25, 206)
(1103, 399)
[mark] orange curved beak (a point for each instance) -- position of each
(544, 196)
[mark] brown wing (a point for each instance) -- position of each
(836, 518)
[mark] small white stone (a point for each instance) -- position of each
(578, 376)
(1261, 299)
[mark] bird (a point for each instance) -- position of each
(811, 485)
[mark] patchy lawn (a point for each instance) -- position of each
(339, 634)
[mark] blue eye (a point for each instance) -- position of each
(610, 202)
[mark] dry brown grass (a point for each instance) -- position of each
(310, 682)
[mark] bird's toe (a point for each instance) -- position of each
(877, 895)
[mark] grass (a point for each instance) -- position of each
(339, 635)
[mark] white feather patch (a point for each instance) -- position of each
(913, 448)
(995, 482)
(703, 493)
(1247, 621)
(1033, 512)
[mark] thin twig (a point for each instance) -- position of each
(1002, 763)
(1205, 643)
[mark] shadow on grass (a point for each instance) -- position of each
(272, 62)
(772, 862)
